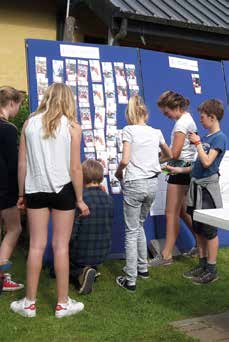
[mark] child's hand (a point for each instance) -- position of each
(83, 208)
(21, 203)
(173, 170)
(193, 137)
(119, 175)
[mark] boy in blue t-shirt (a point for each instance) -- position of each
(204, 191)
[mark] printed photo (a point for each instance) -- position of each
(112, 158)
(70, 65)
(196, 83)
(111, 133)
(99, 117)
(120, 74)
(130, 74)
(134, 90)
(111, 116)
(107, 72)
(95, 71)
(88, 138)
(83, 96)
(89, 155)
(119, 140)
(82, 72)
(99, 139)
(114, 183)
(41, 66)
(98, 95)
(58, 71)
(122, 94)
(85, 118)
(101, 156)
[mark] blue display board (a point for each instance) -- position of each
(198, 80)
(153, 73)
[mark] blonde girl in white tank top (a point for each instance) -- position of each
(49, 158)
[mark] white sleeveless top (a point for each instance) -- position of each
(48, 160)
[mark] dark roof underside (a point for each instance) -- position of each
(210, 15)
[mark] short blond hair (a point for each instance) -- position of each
(136, 110)
(92, 172)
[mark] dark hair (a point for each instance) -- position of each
(173, 100)
(92, 172)
(212, 107)
(8, 94)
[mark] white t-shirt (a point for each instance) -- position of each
(144, 155)
(185, 124)
(48, 160)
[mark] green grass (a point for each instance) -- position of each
(111, 313)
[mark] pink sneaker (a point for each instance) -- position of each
(24, 307)
(70, 308)
(9, 284)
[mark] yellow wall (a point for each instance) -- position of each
(16, 24)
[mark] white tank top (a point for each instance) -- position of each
(48, 160)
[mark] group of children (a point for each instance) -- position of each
(51, 177)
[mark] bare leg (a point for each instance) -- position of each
(12, 223)
(212, 246)
(38, 228)
(62, 228)
(174, 201)
(202, 245)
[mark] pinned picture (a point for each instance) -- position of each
(83, 96)
(101, 157)
(130, 74)
(99, 139)
(42, 86)
(89, 149)
(111, 133)
(58, 71)
(112, 158)
(114, 183)
(72, 85)
(85, 118)
(89, 155)
(107, 72)
(70, 65)
(99, 118)
(41, 67)
(111, 116)
(88, 138)
(95, 71)
(82, 72)
(196, 83)
(98, 95)
(134, 90)
(120, 74)
(122, 94)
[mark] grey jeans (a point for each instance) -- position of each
(138, 198)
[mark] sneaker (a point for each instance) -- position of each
(123, 282)
(143, 275)
(23, 308)
(159, 261)
(205, 278)
(67, 309)
(86, 280)
(194, 272)
(9, 284)
(194, 251)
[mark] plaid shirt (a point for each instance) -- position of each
(91, 236)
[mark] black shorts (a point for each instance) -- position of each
(63, 200)
(207, 231)
(180, 178)
(8, 200)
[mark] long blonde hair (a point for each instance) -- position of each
(136, 110)
(58, 100)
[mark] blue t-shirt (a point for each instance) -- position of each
(216, 141)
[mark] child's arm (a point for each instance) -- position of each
(178, 169)
(166, 153)
(178, 143)
(125, 160)
(205, 159)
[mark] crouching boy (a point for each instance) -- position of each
(91, 236)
